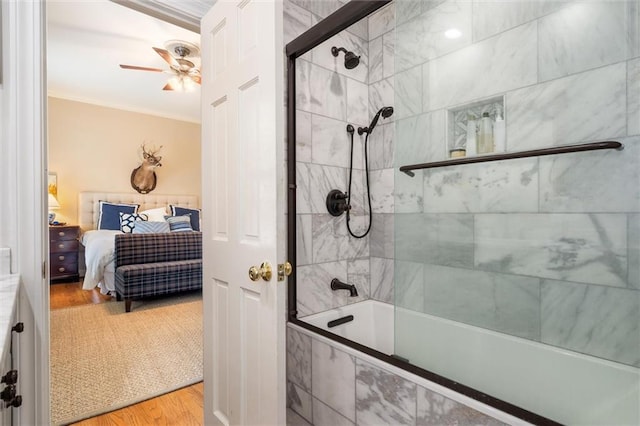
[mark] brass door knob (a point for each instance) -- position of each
(264, 272)
(254, 273)
(284, 270)
(287, 268)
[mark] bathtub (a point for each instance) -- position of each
(577, 388)
(372, 324)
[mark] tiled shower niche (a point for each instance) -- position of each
(458, 120)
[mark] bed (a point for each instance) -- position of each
(99, 244)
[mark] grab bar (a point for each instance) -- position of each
(512, 155)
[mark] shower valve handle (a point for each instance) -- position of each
(337, 202)
(342, 196)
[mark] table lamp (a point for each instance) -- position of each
(53, 205)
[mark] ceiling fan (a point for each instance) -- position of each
(185, 73)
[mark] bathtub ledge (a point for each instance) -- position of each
(421, 381)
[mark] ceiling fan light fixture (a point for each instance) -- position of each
(183, 49)
(188, 84)
(174, 83)
(186, 73)
(181, 83)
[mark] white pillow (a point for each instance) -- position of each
(156, 215)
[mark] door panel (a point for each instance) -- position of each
(251, 350)
(219, 162)
(243, 126)
(221, 345)
(249, 183)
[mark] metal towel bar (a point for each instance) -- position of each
(512, 155)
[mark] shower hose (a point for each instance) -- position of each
(366, 166)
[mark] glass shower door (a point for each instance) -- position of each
(519, 278)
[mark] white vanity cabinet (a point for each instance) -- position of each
(10, 329)
(5, 366)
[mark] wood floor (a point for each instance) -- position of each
(183, 407)
(64, 295)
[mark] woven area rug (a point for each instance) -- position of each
(103, 359)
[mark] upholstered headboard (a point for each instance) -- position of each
(88, 210)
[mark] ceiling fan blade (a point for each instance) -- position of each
(196, 78)
(134, 67)
(167, 57)
(167, 87)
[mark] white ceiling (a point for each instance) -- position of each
(88, 39)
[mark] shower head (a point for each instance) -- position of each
(350, 59)
(386, 112)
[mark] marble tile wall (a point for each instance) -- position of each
(328, 97)
(588, 248)
(540, 116)
(539, 248)
(545, 249)
(633, 97)
(326, 386)
(493, 17)
(511, 228)
(488, 187)
(499, 302)
(592, 181)
(598, 320)
(383, 88)
(564, 47)
(421, 39)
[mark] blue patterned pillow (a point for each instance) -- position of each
(110, 214)
(128, 221)
(179, 223)
(194, 214)
(151, 227)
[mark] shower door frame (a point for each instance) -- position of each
(338, 21)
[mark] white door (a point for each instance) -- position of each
(243, 199)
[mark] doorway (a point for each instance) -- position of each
(98, 119)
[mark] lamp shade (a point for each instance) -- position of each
(53, 202)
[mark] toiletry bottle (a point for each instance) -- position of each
(472, 129)
(485, 134)
(457, 152)
(499, 142)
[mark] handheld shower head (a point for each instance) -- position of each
(386, 112)
(350, 59)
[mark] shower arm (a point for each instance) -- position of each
(336, 50)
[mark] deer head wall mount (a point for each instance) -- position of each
(143, 177)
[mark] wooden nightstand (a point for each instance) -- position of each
(63, 252)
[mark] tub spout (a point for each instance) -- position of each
(336, 284)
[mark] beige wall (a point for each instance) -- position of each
(93, 148)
